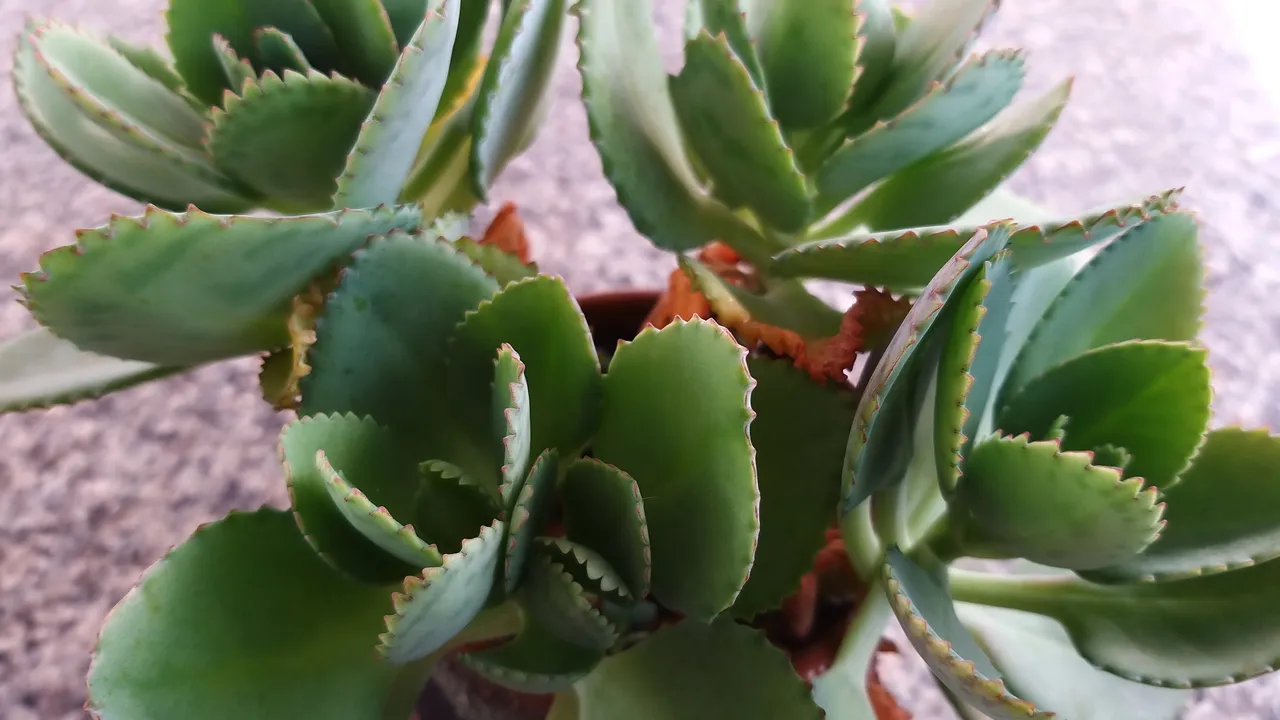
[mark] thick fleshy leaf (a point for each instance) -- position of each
(875, 60)
(905, 260)
(236, 71)
(729, 125)
(467, 63)
(280, 52)
(451, 508)
(1221, 514)
(928, 615)
(1031, 500)
(784, 303)
(561, 605)
(725, 16)
(875, 458)
(633, 124)
(1150, 398)
(587, 567)
(435, 607)
(105, 145)
(40, 370)
(385, 151)
(542, 322)
(502, 266)
(807, 49)
(150, 61)
(510, 421)
(1146, 285)
(364, 34)
(937, 189)
(439, 180)
(1039, 664)
(407, 15)
(514, 86)
(1199, 632)
(536, 661)
(799, 435)
(192, 23)
(528, 515)
(245, 586)
(374, 521)
(404, 295)
(721, 669)
(287, 137)
(188, 288)
(677, 418)
(604, 511)
(975, 94)
(927, 48)
(371, 460)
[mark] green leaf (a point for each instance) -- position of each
(938, 188)
(633, 123)
(437, 606)
(375, 522)
(927, 48)
(246, 586)
(373, 461)
(588, 568)
(928, 615)
(280, 52)
(1150, 398)
(105, 145)
(236, 70)
(1026, 499)
(407, 15)
(189, 288)
(975, 94)
(559, 604)
(364, 34)
(192, 24)
(1146, 285)
(404, 296)
(728, 124)
(527, 515)
(604, 511)
(511, 421)
(905, 260)
(784, 303)
(1221, 514)
(875, 458)
(536, 661)
(514, 87)
(384, 153)
(540, 319)
(968, 365)
(1039, 664)
(40, 370)
(503, 267)
(451, 508)
(875, 60)
(464, 63)
(808, 50)
(799, 435)
(727, 17)
(157, 66)
(677, 418)
(287, 137)
(721, 669)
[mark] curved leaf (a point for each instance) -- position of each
(536, 661)
(561, 606)
(467, 63)
(1150, 398)
(151, 62)
(371, 459)
(502, 266)
(677, 417)
(407, 15)
(808, 50)
(404, 295)
(1146, 285)
(236, 70)
(799, 435)
(511, 407)
(280, 52)
(721, 669)
(437, 606)
(387, 146)
(244, 587)
(730, 127)
(287, 137)
(875, 61)
(1221, 514)
(450, 507)
(587, 568)
(189, 288)
(603, 510)
(373, 521)
(727, 17)
(527, 515)
(364, 34)
(514, 86)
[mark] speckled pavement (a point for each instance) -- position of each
(91, 495)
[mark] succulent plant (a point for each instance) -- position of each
(296, 106)
(416, 131)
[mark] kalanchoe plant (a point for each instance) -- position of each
(416, 125)
(293, 105)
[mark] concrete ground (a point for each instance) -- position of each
(89, 496)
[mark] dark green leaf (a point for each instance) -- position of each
(1150, 398)
(559, 604)
(588, 568)
(725, 16)
(875, 61)
(407, 15)
(236, 71)
(375, 522)
(808, 50)
(451, 508)
(536, 661)
(364, 34)
(279, 52)
(465, 64)
(603, 510)
(189, 288)
(244, 587)
(527, 515)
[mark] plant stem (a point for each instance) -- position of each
(866, 552)
(841, 691)
(1040, 594)
(942, 542)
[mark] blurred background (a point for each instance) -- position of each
(1168, 93)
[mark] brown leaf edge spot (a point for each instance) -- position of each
(506, 232)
